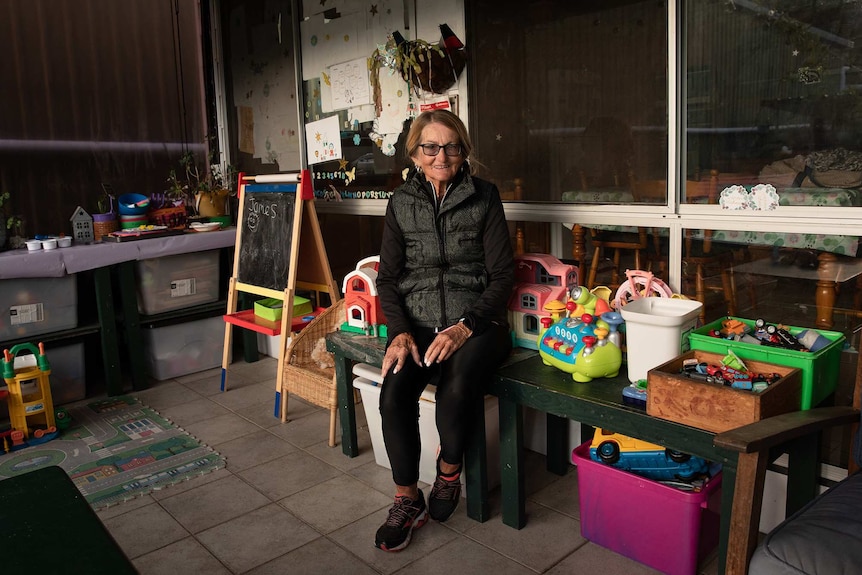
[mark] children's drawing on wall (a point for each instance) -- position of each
(348, 84)
(323, 139)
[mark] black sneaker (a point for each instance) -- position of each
(405, 515)
(444, 497)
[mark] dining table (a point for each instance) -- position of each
(835, 253)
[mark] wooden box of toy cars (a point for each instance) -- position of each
(714, 405)
(819, 368)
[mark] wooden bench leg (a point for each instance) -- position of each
(476, 467)
(512, 463)
(745, 517)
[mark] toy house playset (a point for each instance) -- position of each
(361, 301)
(539, 279)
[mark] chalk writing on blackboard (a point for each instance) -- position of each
(266, 240)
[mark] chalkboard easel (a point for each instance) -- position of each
(279, 248)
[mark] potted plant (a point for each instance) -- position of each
(213, 191)
(204, 194)
(105, 220)
(7, 223)
(170, 207)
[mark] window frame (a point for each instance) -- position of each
(676, 217)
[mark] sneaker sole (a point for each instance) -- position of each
(417, 523)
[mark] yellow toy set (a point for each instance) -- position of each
(31, 410)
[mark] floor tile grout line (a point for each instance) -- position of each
(307, 450)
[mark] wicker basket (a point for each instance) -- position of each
(303, 376)
(101, 229)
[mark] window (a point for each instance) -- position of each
(569, 99)
(531, 324)
(774, 97)
(529, 301)
(96, 92)
(546, 278)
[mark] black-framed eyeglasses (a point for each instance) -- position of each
(434, 149)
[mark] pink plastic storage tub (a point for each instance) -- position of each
(660, 526)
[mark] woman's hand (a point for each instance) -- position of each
(396, 354)
(447, 342)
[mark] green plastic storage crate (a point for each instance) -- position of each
(819, 369)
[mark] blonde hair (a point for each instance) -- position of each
(451, 121)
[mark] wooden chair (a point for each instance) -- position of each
(610, 246)
(653, 192)
(607, 155)
(702, 260)
(834, 515)
(303, 376)
(526, 236)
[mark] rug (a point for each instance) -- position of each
(115, 450)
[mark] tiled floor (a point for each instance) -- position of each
(288, 503)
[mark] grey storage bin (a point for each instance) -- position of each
(175, 282)
(35, 306)
(180, 349)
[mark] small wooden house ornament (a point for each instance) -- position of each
(82, 226)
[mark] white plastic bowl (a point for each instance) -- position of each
(50, 244)
(64, 242)
(34, 245)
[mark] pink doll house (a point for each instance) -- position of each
(539, 279)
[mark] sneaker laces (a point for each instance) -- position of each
(444, 489)
(400, 512)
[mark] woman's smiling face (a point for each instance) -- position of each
(440, 169)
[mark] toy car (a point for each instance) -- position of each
(644, 458)
(776, 336)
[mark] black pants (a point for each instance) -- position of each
(460, 383)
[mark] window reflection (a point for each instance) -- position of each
(795, 279)
(571, 97)
(107, 92)
(799, 280)
(772, 96)
(805, 280)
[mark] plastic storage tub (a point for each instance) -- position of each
(176, 282)
(656, 330)
(176, 350)
(67, 373)
(819, 369)
(370, 391)
(33, 306)
(269, 344)
(660, 526)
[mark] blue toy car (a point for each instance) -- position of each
(646, 459)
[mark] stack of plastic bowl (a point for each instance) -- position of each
(133, 210)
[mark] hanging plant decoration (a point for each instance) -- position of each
(424, 66)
